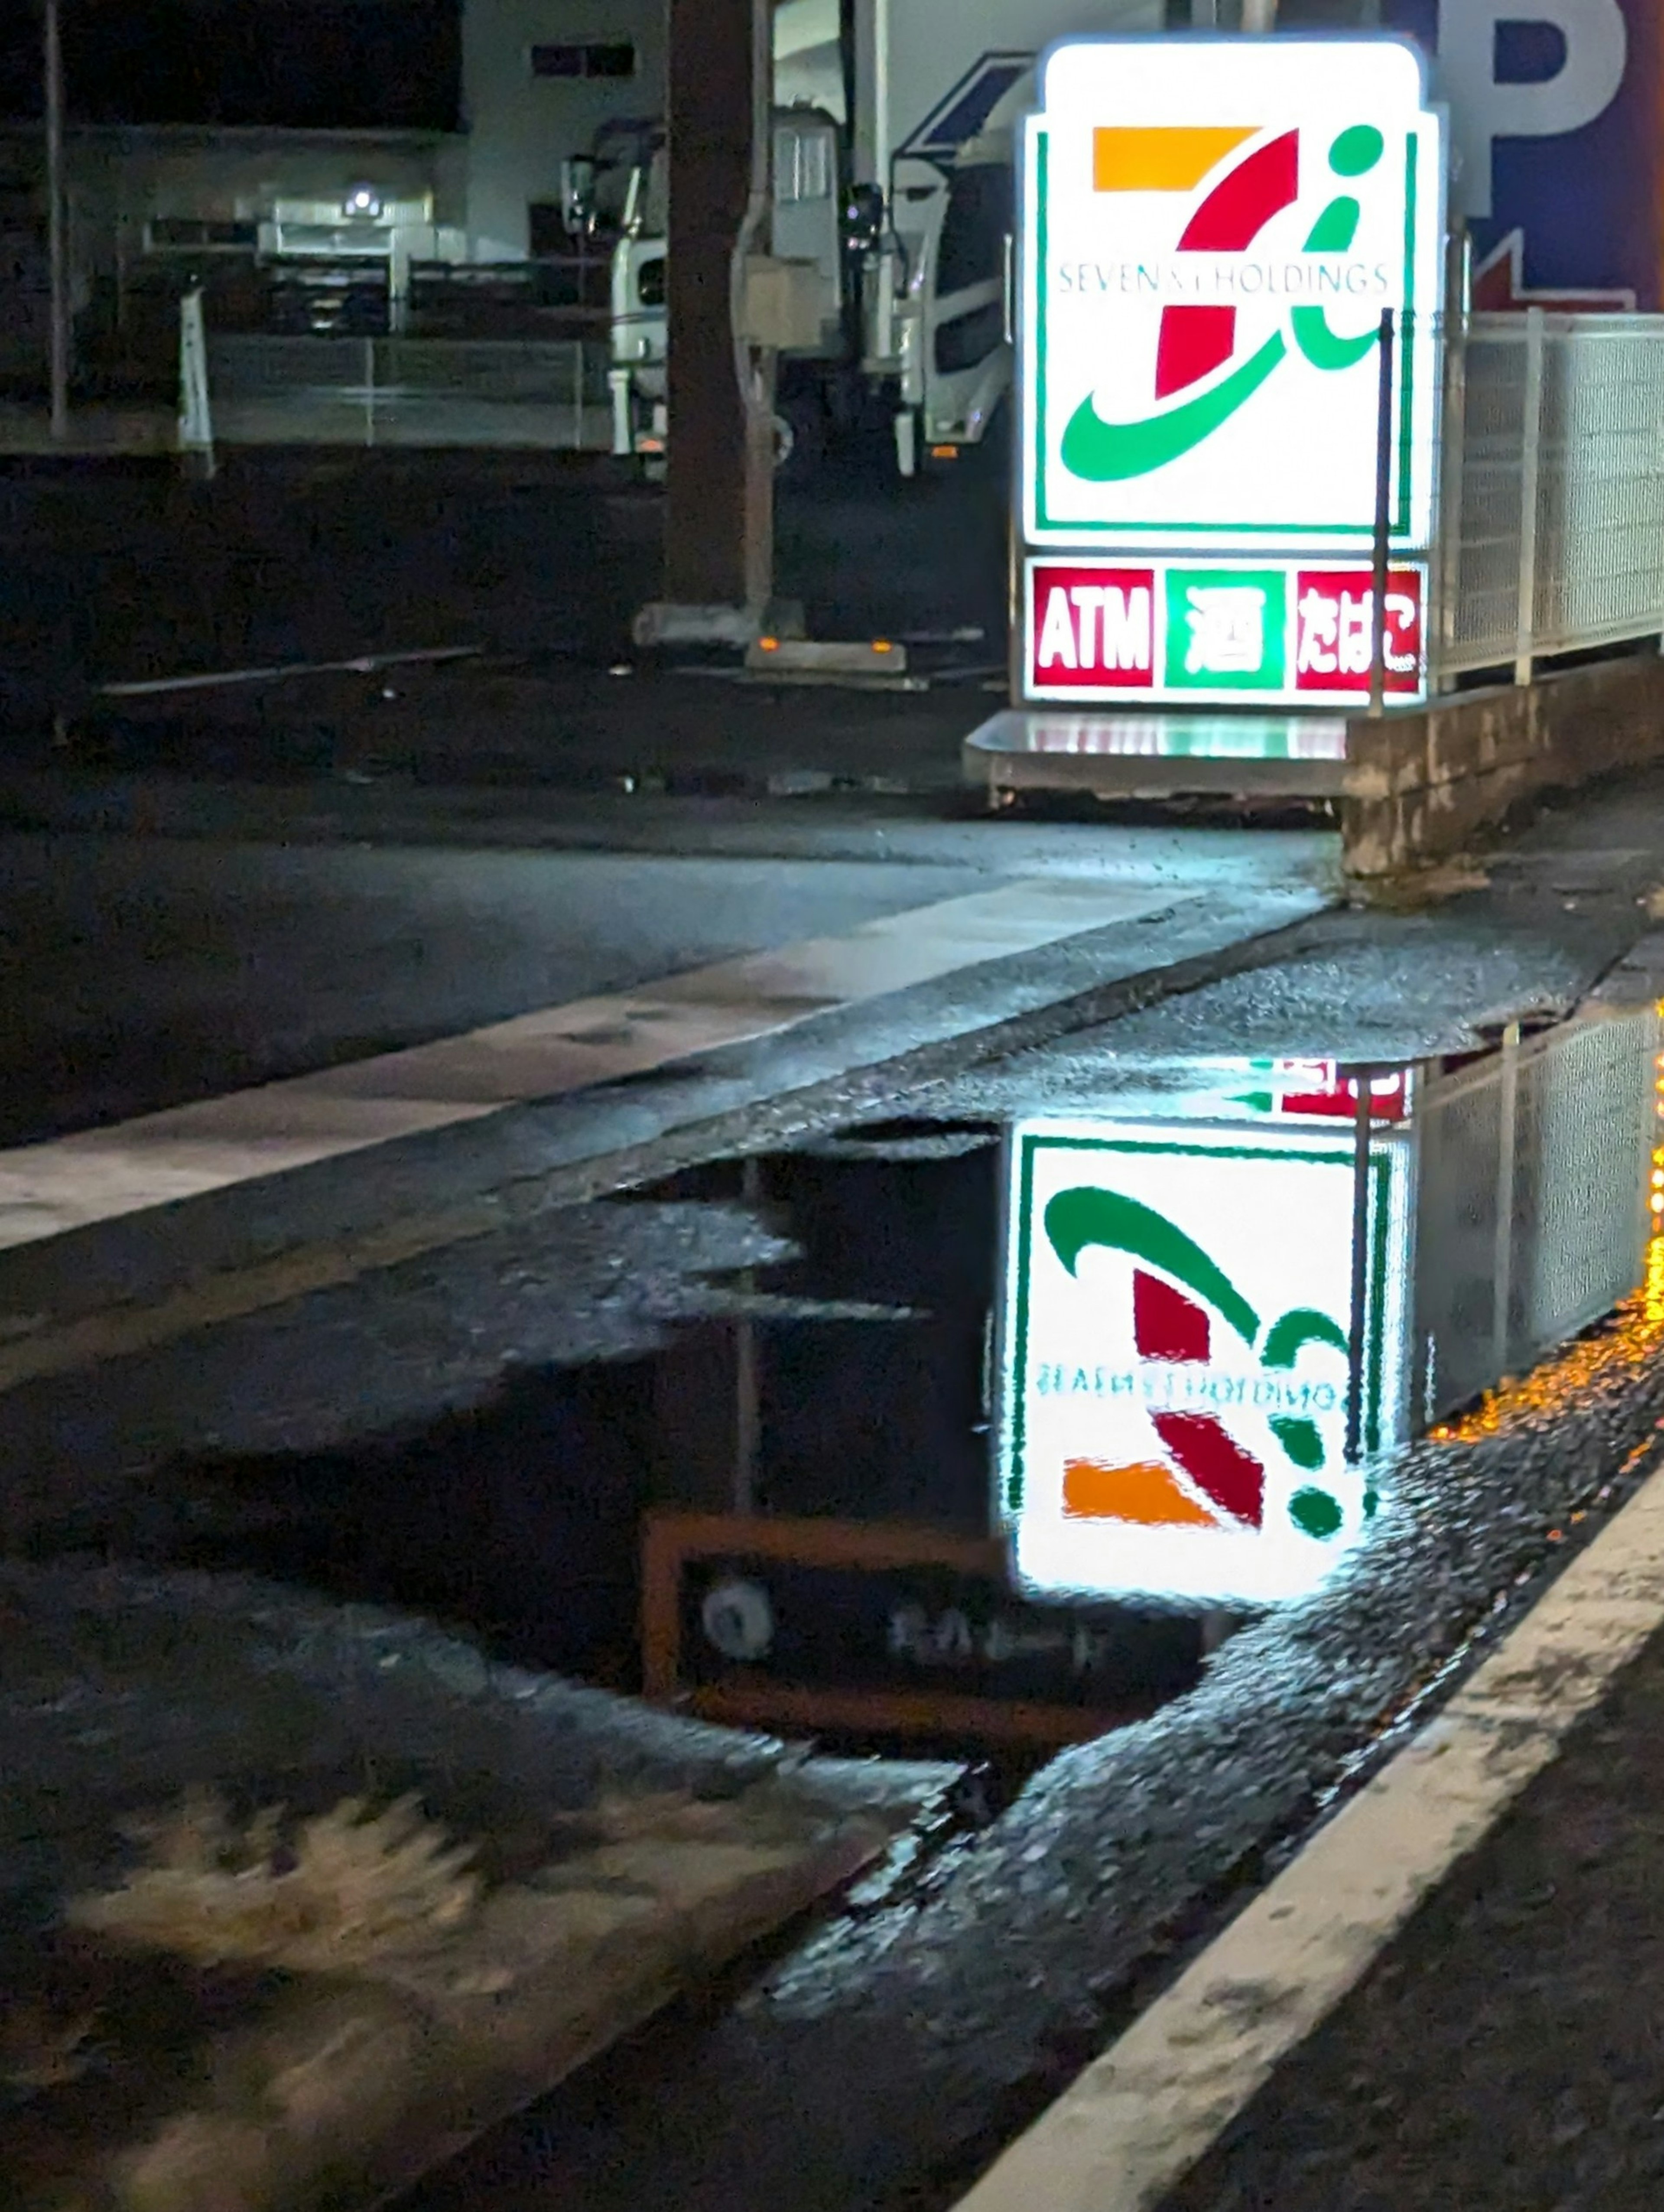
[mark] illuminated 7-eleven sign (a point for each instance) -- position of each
(1176, 1355)
(1211, 230)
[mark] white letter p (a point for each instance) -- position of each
(1483, 111)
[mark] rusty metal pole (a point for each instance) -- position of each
(718, 486)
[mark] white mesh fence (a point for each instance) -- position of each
(1553, 531)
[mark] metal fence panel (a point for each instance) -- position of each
(1556, 539)
(1459, 1206)
(550, 393)
(1600, 566)
(1482, 535)
(1583, 1147)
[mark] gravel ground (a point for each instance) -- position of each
(293, 1896)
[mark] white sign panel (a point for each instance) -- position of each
(1211, 229)
(1177, 1341)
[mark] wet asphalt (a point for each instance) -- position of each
(880, 2062)
(893, 2053)
(885, 2061)
(1502, 2054)
(1012, 1958)
(138, 974)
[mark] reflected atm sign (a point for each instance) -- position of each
(1175, 1354)
(1211, 230)
(1318, 1087)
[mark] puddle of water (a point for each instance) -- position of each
(1036, 1409)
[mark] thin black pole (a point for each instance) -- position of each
(57, 240)
(1383, 523)
(1360, 1264)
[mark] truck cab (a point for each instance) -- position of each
(937, 318)
(805, 231)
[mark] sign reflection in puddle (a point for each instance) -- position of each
(1211, 1335)
(1195, 1302)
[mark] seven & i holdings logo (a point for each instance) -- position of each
(1214, 272)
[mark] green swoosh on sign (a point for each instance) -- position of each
(1108, 452)
(1323, 347)
(1089, 1215)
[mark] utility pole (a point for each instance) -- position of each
(719, 498)
(57, 240)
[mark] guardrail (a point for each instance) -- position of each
(547, 393)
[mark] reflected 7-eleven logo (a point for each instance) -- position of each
(1241, 195)
(1206, 1477)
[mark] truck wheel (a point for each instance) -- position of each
(799, 437)
(990, 459)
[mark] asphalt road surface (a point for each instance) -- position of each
(1502, 2054)
(121, 575)
(137, 974)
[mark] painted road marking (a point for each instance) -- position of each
(97, 1175)
(367, 664)
(1139, 2118)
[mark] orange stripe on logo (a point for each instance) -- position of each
(1160, 159)
(1144, 1491)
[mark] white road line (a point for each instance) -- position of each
(1142, 2115)
(96, 1175)
(367, 664)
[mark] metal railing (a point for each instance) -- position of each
(1553, 529)
(544, 392)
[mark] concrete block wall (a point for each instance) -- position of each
(1424, 785)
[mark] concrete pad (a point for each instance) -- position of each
(1431, 781)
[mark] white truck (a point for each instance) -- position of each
(893, 182)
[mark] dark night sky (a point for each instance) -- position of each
(350, 63)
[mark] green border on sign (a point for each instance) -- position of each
(1407, 335)
(1242, 533)
(1042, 153)
(1374, 1296)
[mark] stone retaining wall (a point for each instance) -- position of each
(1425, 784)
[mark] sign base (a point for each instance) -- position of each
(1158, 755)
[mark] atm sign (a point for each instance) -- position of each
(1093, 628)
